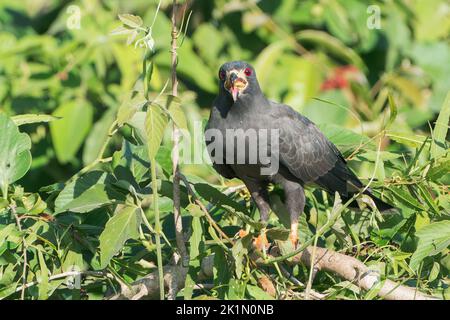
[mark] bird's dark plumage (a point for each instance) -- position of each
(305, 154)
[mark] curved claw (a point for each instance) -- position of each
(293, 235)
(242, 233)
(261, 242)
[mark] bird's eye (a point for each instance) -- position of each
(222, 75)
(248, 72)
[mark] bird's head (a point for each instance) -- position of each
(238, 78)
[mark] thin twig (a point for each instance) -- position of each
(181, 255)
(65, 275)
(24, 254)
(205, 211)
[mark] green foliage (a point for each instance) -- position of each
(15, 156)
(92, 107)
(70, 131)
(122, 226)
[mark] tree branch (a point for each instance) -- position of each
(181, 255)
(343, 266)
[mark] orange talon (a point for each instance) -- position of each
(293, 235)
(242, 233)
(261, 242)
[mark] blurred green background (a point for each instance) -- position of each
(52, 63)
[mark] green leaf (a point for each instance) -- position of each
(439, 144)
(43, 277)
(332, 45)
(258, 294)
(434, 271)
(439, 169)
(266, 62)
(69, 132)
(433, 238)
(8, 290)
(430, 20)
(122, 226)
(97, 137)
(137, 122)
(345, 139)
(209, 41)
(195, 242)
(91, 191)
(278, 234)
(406, 198)
(244, 218)
(131, 157)
(393, 108)
(7, 275)
(15, 156)
(214, 196)
(239, 251)
(164, 159)
(222, 270)
(236, 289)
(372, 155)
(32, 118)
(6, 231)
(33, 204)
(155, 124)
(407, 87)
(406, 138)
(173, 106)
(303, 83)
(327, 108)
(95, 197)
(129, 107)
(252, 20)
(428, 198)
(338, 21)
(193, 68)
(121, 31)
(130, 20)
(196, 238)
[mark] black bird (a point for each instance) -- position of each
(304, 154)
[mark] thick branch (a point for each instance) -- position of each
(353, 270)
(344, 266)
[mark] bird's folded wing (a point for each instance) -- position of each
(303, 149)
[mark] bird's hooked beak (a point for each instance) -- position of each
(235, 83)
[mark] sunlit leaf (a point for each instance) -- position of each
(439, 144)
(433, 239)
(32, 118)
(258, 293)
(131, 20)
(155, 123)
(332, 45)
(68, 133)
(15, 156)
(97, 137)
(121, 227)
(89, 192)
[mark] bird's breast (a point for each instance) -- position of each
(242, 144)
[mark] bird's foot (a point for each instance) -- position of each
(293, 235)
(242, 233)
(261, 242)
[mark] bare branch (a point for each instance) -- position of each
(344, 266)
(182, 253)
